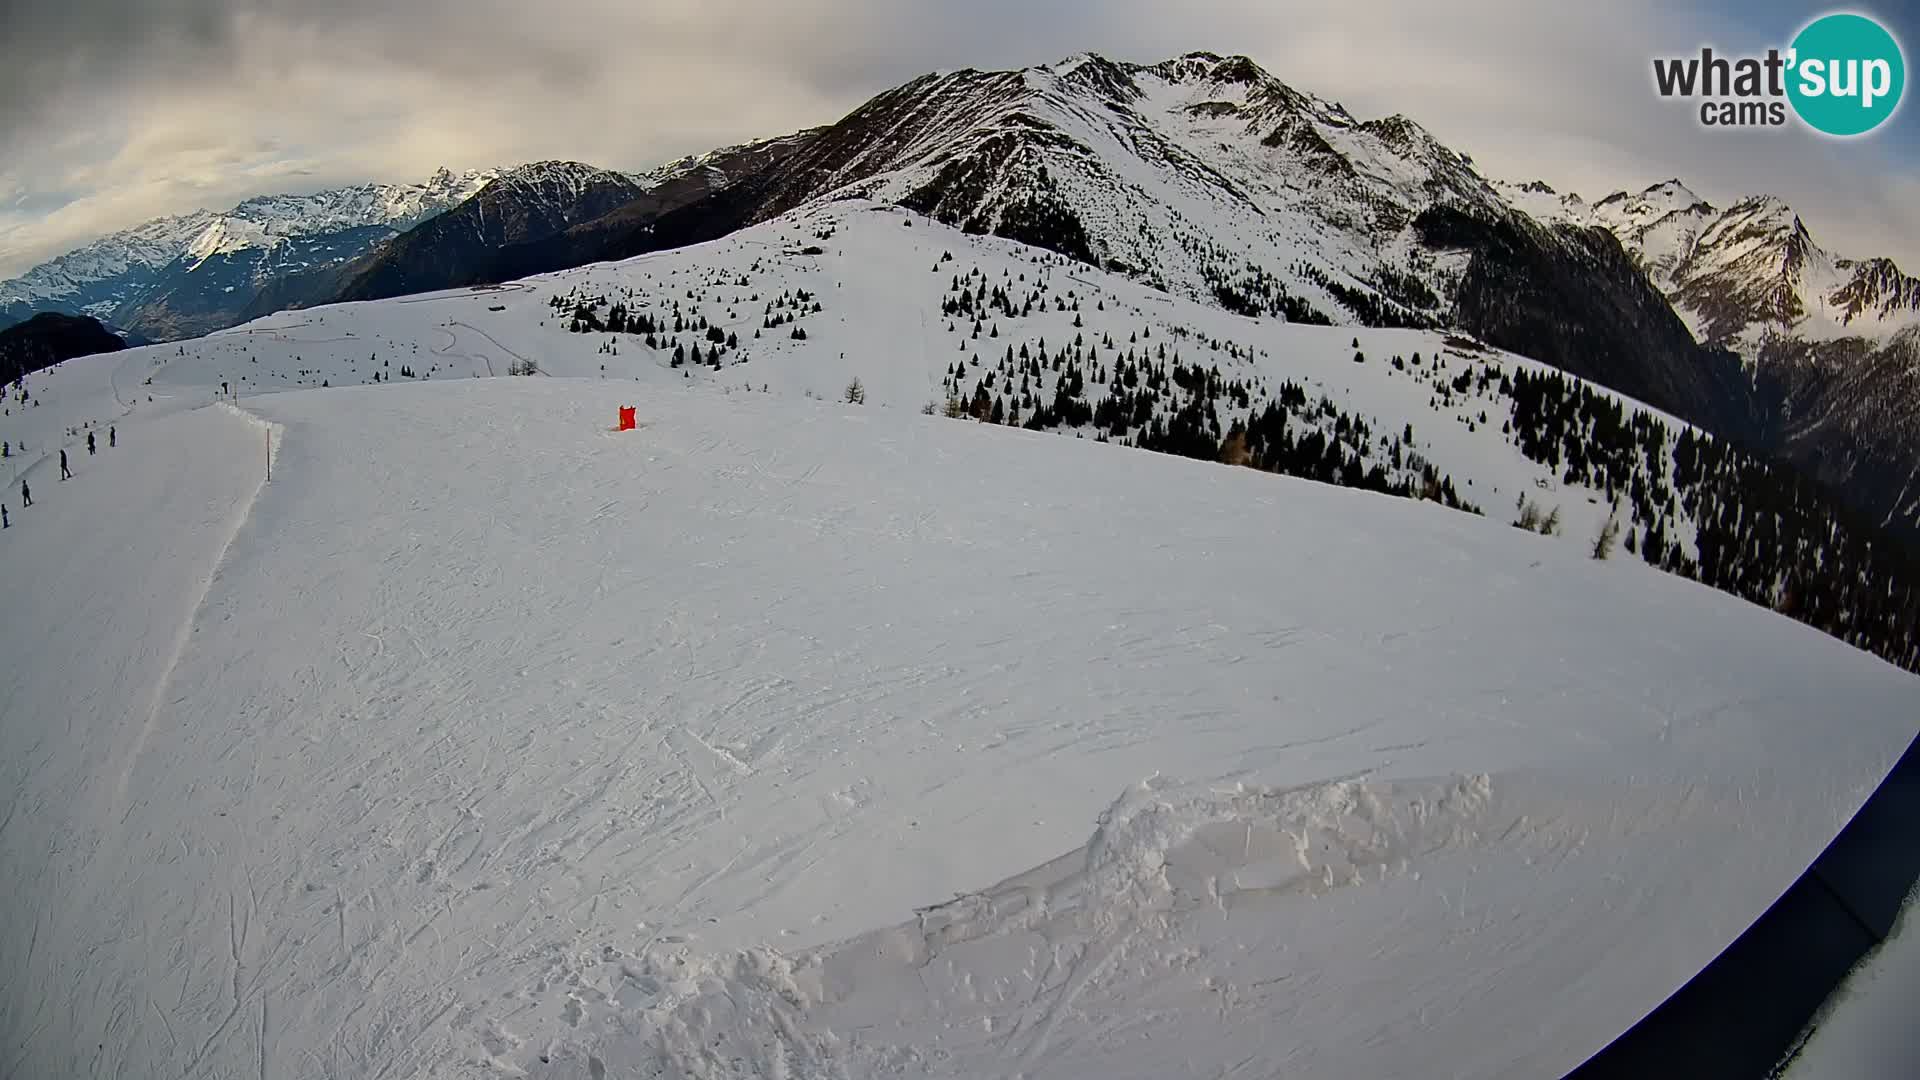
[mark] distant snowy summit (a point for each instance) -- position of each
(1743, 272)
(194, 273)
(191, 273)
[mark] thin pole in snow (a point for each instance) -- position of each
(268, 433)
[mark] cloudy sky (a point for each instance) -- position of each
(115, 111)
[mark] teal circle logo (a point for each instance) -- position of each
(1847, 74)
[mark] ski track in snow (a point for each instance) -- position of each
(601, 750)
(191, 475)
(485, 741)
(185, 632)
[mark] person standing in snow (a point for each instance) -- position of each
(89, 444)
(65, 473)
(113, 437)
(26, 493)
(4, 523)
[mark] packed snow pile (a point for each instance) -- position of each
(788, 737)
(1096, 949)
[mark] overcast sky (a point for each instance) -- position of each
(115, 111)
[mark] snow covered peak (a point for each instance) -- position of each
(1876, 291)
(1071, 64)
(1651, 220)
(1741, 273)
(1203, 174)
(551, 171)
(1640, 211)
(292, 215)
(1212, 67)
(102, 276)
(1672, 193)
(1541, 201)
(553, 182)
(739, 157)
(146, 246)
(223, 234)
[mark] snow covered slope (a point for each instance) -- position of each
(800, 738)
(882, 280)
(928, 317)
(1867, 1029)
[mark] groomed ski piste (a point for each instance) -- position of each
(790, 737)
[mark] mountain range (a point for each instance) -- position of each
(189, 274)
(1202, 176)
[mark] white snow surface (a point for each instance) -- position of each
(787, 737)
(1866, 1031)
(790, 738)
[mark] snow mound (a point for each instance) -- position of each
(1163, 857)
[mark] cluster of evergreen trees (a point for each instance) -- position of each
(1244, 287)
(1405, 287)
(1140, 393)
(1369, 307)
(1146, 396)
(1390, 296)
(1319, 441)
(970, 297)
(1256, 292)
(685, 334)
(1760, 531)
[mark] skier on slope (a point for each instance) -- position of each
(113, 437)
(65, 473)
(4, 523)
(26, 493)
(89, 444)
